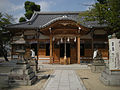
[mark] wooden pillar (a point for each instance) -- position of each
(92, 47)
(37, 45)
(51, 47)
(38, 34)
(92, 43)
(65, 57)
(78, 50)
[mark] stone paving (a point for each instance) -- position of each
(64, 80)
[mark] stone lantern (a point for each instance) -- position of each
(22, 73)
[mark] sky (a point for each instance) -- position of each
(16, 7)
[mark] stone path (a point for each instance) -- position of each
(64, 80)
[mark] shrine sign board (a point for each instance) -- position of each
(114, 54)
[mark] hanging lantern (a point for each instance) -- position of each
(61, 40)
(50, 30)
(75, 39)
(53, 39)
(58, 43)
(68, 39)
(79, 29)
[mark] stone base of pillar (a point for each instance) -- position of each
(51, 60)
(33, 65)
(78, 62)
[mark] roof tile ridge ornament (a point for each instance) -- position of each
(32, 16)
(29, 22)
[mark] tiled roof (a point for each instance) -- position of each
(43, 19)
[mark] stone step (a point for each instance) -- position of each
(31, 75)
(32, 81)
(59, 67)
(3, 81)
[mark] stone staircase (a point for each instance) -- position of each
(65, 67)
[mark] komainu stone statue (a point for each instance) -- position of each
(98, 64)
(97, 60)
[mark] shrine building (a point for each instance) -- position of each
(60, 38)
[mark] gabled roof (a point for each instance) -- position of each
(43, 19)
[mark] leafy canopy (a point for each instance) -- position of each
(4, 19)
(22, 19)
(105, 11)
(4, 35)
(30, 7)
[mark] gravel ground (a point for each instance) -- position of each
(92, 82)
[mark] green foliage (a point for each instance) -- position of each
(22, 19)
(30, 7)
(102, 1)
(105, 11)
(28, 14)
(5, 19)
(4, 35)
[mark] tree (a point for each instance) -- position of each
(30, 7)
(4, 35)
(105, 11)
(29, 14)
(102, 1)
(22, 19)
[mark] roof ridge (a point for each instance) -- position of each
(59, 12)
(55, 19)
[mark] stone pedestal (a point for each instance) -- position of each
(97, 69)
(64, 61)
(98, 65)
(21, 74)
(33, 65)
(111, 74)
(110, 77)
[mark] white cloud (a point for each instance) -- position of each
(45, 5)
(7, 6)
(17, 10)
(18, 7)
(89, 5)
(13, 9)
(18, 16)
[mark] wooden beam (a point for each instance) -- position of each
(66, 29)
(66, 35)
(78, 50)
